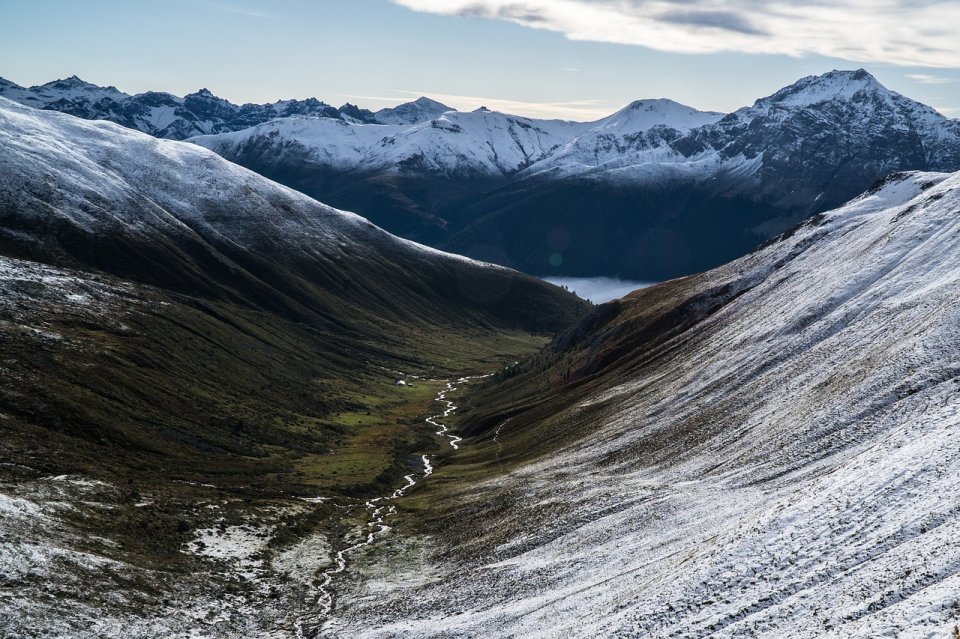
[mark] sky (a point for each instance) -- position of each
(570, 59)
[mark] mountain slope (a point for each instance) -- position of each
(199, 386)
(768, 447)
(95, 195)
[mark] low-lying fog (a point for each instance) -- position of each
(598, 289)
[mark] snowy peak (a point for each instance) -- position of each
(69, 90)
(420, 110)
(73, 83)
(204, 93)
(357, 115)
(642, 115)
(832, 86)
(424, 102)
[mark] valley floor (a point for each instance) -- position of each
(240, 566)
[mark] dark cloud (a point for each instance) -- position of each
(726, 20)
(516, 11)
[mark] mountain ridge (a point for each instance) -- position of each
(165, 115)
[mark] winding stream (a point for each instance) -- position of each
(379, 509)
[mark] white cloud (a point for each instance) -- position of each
(924, 78)
(919, 33)
(579, 110)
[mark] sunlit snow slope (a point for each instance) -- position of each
(770, 449)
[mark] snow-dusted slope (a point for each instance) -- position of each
(427, 137)
(481, 142)
(639, 133)
(103, 177)
(769, 449)
(95, 195)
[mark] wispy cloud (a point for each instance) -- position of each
(924, 78)
(571, 69)
(580, 110)
(918, 33)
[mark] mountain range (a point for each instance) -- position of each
(654, 191)
(168, 116)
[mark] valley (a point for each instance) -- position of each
(687, 462)
(191, 426)
(279, 369)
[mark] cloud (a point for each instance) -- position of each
(724, 20)
(579, 110)
(918, 33)
(923, 78)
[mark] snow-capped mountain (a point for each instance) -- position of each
(95, 195)
(477, 143)
(167, 116)
(678, 206)
(427, 137)
(810, 143)
(413, 178)
(68, 89)
(420, 110)
(630, 136)
(665, 189)
(769, 448)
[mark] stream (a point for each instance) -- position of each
(379, 509)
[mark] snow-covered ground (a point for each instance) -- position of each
(789, 468)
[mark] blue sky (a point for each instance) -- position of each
(575, 59)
